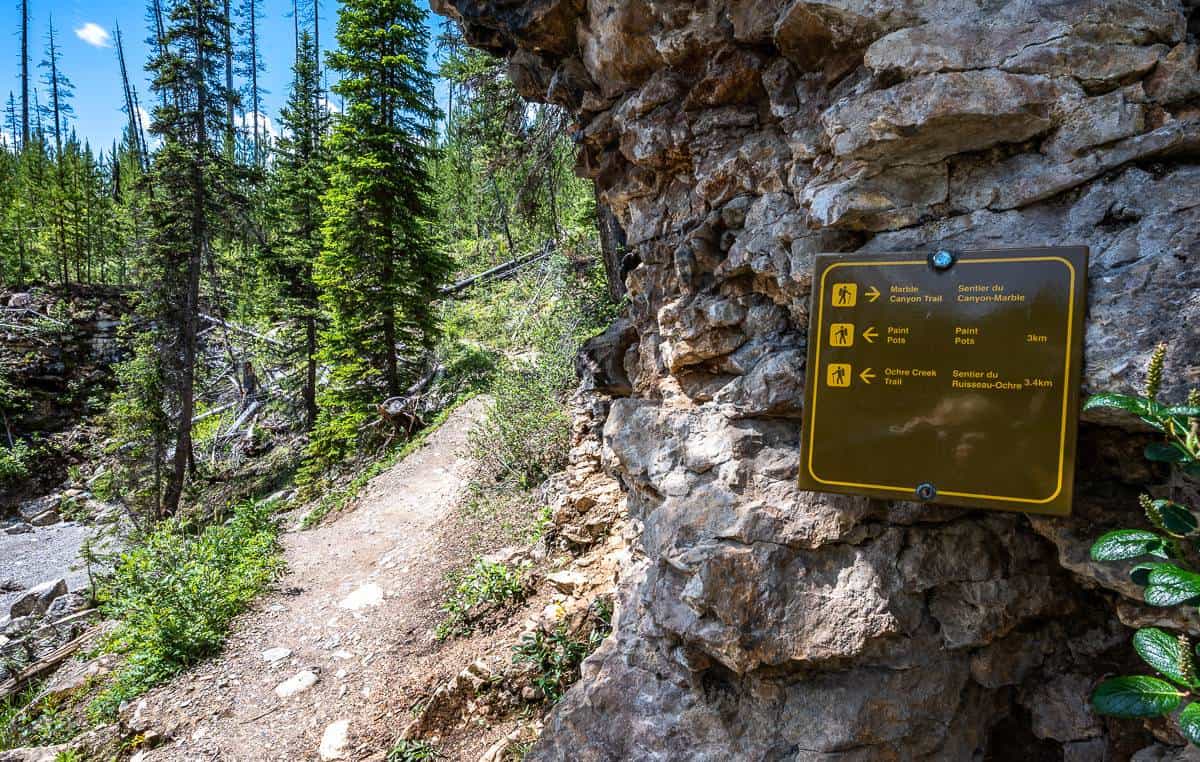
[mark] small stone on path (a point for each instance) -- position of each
(297, 683)
(369, 594)
(334, 740)
(276, 654)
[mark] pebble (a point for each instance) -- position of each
(334, 740)
(273, 655)
(297, 683)
(45, 519)
(369, 594)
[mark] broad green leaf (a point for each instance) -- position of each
(1140, 574)
(1164, 653)
(1175, 518)
(1169, 586)
(1135, 696)
(1137, 405)
(1124, 543)
(1166, 452)
(1189, 723)
(1187, 411)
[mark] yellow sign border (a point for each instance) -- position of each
(1066, 393)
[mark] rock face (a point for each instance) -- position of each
(733, 140)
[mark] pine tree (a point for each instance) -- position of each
(24, 73)
(298, 180)
(61, 91)
(250, 66)
(187, 206)
(59, 112)
(380, 269)
(13, 124)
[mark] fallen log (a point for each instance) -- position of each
(500, 272)
(242, 329)
(40, 667)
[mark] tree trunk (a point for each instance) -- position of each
(230, 134)
(612, 247)
(254, 77)
(183, 459)
(310, 371)
(24, 73)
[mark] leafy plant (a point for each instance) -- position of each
(28, 719)
(14, 461)
(483, 587)
(1178, 423)
(1166, 578)
(412, 750)
(175, 594)
(556, 656)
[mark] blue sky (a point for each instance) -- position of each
(83, 30)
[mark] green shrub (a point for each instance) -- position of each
(412, 750)
(526, 433)
(175, 594)
(14, 462)
(482, 587)
(1168, 579)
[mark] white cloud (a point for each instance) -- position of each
(93, 34)
(266, 126)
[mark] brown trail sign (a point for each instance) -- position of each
(947, 378)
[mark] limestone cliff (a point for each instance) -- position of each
(733, 140)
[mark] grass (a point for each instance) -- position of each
(175, 595)
(484, 586)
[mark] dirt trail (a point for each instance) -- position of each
(357, 598)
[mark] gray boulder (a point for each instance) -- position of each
(37, 600)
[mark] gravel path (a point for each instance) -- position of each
(309, 656)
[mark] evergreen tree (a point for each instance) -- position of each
(250, 66)
(189, 201)
(297, 183)
(379, 270)
(24, 73)
(58, 112)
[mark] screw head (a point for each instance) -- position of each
(926, 491)
(942, 260)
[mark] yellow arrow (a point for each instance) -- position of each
(870, 335)
(866, 376)
(873, 293)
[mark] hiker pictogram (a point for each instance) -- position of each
(845, 294)
(838, 374)
(841, 335)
